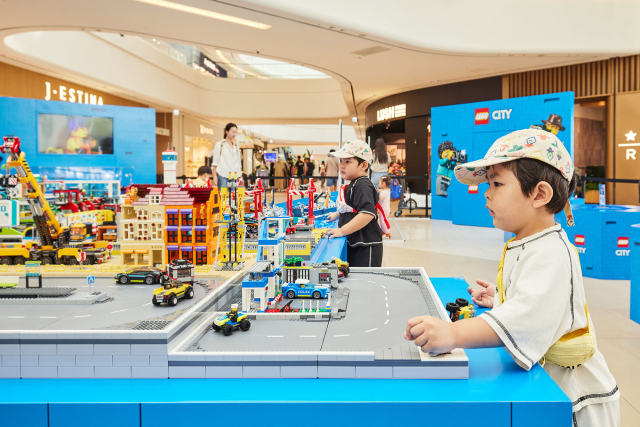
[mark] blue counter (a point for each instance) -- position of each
(634, 300)
(602, 236)
(498, 393)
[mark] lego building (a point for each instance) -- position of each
(142, 223)
(190, 224)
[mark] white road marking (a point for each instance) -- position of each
(146, 304)
(47, 317)
(385, 292)
(119, 311)
(351, 279)
(113, 286)
(15, 317)
(307, 336)
(345, 335)
(386, 299)
(275, 336)
(384, 288)
(87, 315)
(387, 320)
(370, 330)
(369, 281)
(387, 312)
(387, 305)
(141, 287)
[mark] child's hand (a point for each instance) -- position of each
(483, 297)
(333, 216)
(433, 335)
(333, 232)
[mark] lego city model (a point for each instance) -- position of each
(232, 320)
(181, 270)
(304, 288)
(56, 246)
(461, 309)
(230, 248)
(148, 275)
(171, 292)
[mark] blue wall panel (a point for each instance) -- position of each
(95, 415)
(134, 158)
(457, 124)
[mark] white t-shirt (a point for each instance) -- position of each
(226, 159)
(545, 300)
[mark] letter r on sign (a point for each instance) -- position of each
(631, 153)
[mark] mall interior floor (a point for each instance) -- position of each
(446, 250)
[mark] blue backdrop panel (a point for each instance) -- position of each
(134, 141)
(635, 273)
(95, 415)
(457, 123)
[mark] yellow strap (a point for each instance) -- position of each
(502, 294)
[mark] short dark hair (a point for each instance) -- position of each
(299, 157)
(204, 169)
(530, 172)
(332, 151)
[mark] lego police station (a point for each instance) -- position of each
(220, 289)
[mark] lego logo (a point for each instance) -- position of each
(579, 240)
(482, 116)
(623, 242)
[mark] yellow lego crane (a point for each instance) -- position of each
(55, 246)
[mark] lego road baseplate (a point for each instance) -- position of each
(128, 337)
(367, 342)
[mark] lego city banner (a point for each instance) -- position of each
(464, 133)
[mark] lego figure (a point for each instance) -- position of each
(233, 314)
(449, 157)
(553, 125)
(79, 141)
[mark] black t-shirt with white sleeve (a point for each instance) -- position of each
(362, 196)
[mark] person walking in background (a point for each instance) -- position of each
(226, 157)
(299, 169)
(281, 169)
(323, 171)
(381, 160)
(308, 168)
(332, 170)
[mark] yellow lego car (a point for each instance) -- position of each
(171, 292)
(342, 265)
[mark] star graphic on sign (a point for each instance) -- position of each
(631, 136)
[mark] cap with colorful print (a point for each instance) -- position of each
(527, 143)
(357, 148)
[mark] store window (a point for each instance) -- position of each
(172, 236)
(187, 236)
(172, 219)
(156, 232)
(173, 254)
(201, 257)
(201, 221)
(187, 219)
(201, 236)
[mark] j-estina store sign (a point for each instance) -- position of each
(70, 94)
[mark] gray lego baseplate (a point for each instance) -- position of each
(362, 339)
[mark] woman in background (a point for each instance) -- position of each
(381, 160)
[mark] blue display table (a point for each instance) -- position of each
(602, 236)
(634, 260)
(498, 393)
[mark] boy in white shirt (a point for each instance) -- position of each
(540, 314)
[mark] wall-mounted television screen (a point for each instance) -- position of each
(63, 134)
(270, 157)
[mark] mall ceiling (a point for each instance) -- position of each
(374, 48)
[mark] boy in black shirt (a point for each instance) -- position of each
(359, 221)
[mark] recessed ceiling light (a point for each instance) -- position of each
(207, 13)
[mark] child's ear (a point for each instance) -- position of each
(542, 194)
